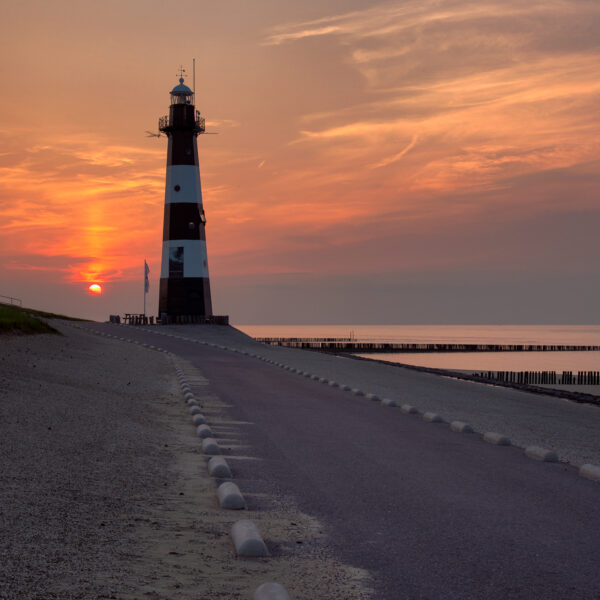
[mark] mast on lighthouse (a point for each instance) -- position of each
(184, 282)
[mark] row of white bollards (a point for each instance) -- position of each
(245, 534)
(589, 471)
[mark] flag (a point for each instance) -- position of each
(146, 280)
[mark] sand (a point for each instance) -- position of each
(105, 492)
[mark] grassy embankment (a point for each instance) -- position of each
(14, 319)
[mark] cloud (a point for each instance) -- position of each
(490, 90)
(386, 19)
(78, 208)
(279, 38)
(396, 157)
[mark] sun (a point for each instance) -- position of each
(95, 289)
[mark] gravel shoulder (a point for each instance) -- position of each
(104, 491)
(80, 449)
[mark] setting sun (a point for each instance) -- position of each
(95, 289)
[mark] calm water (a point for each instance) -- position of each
(468, 334)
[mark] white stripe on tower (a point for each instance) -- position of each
(183, 184)
(194, 251)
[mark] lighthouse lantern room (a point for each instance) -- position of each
(184, 282)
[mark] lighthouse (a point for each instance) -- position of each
(184, 283)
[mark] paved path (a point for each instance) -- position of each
(568, 428)
(430, 513)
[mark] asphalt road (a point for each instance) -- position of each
(429, 512)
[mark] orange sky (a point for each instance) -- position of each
(376, 162)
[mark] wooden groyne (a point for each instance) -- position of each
(353, 346)
(544, 377)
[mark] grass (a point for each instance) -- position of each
(47, 315)
(15, 319)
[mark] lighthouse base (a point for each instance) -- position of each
(185, 296)
(193, 320)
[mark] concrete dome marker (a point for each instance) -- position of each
(198, 419)
(461, 427)
(590, 472)
(230, 496)
(432, 417)
(203, 431)
(491, 437)
(247, 539)
(210, 446)
(270, 591)
(218, 467)
(542, 454)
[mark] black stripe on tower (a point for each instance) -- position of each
(183, 221)
(182, 135)
(185, 296)
(182, 148)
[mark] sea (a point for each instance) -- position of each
(588, 335)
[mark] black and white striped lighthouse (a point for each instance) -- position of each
(184, 282)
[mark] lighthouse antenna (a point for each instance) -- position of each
(194, 78)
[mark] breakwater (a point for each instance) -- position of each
(544, 377)
(351, 345)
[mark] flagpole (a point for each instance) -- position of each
(146, 284)
(145, 277)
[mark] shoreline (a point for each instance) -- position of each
(547, 390)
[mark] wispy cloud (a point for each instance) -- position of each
(490, 90)
(389, 18)
(396, 157)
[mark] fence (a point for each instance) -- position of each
(348, 345)
(16, 301)
(544, 377)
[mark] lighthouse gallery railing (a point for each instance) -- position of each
(164, 122)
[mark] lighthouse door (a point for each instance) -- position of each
(176, 262)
